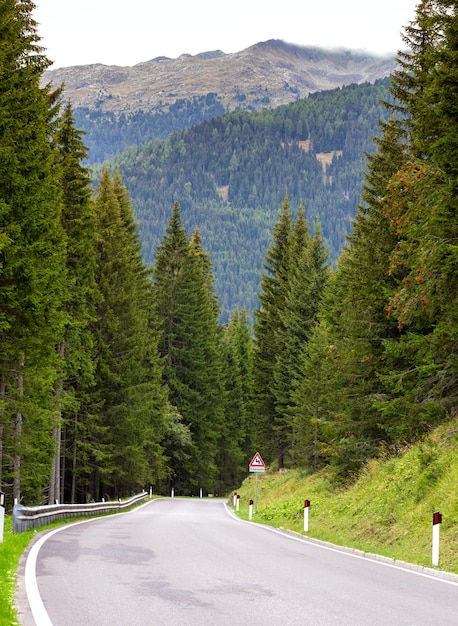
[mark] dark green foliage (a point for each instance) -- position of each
(391, 317)
(291, 290)
(315, 396)
(128, 376)
(190, 344)
(237, 438)
(230, 175)
(108, 134)
(32, 257)
(77, 345)
(269, 333)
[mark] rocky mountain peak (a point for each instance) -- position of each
(267, 74)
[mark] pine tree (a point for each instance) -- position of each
(236, 443)
(309, 275)
(32, 247)
(421, 205)
(387, 313)
(190, 343)
(315, 394)
(267, 328)
(128, 374)
(77, 345)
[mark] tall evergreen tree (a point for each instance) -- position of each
(190, 343)
(315, 394)
(309, 274)
(32, 247)
(128, 375)
(236, 443)
(77, 344)
(268, 327)
(420, 203)
(387, 315)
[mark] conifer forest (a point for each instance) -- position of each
(121, 369)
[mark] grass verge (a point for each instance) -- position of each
(10, 553)
(387, 511)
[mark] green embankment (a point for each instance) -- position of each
(387, 511)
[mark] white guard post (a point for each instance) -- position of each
(306, 515)
(437, 521)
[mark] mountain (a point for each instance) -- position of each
(227, 135)
(230, 175)
(267, 74)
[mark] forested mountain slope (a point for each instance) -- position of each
(231, 173)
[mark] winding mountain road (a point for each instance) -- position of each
(191, 562)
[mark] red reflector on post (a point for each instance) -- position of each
(437, 518)
(306, 504)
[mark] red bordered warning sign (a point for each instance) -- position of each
(257, 464)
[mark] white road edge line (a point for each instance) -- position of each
(39, 613)
(409, 568)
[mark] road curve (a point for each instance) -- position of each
(189, 562)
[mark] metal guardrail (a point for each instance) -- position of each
(26, 517)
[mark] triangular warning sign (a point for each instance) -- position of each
(257, 464)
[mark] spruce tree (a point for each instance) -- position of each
(236, 443)
(190, 343)
(308, 280)
(32, 247)
(128, 375)
(420, 203)
(315, 394)
(77, 344)
(268, 327)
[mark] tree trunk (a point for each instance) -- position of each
(74, 459)
(2, 397)
(17, 442)
(55, 482)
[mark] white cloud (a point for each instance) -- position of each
(124, 33)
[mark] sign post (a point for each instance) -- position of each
(437, 521)
(256, 465)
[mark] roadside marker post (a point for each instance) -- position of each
(306, 515)
(437, 521)
(256, 465)
(250, 511)
(237, 504)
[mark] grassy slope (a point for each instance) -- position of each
(388, 511)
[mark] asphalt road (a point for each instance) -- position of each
(190, 562)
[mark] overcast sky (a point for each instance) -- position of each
(125, 32)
